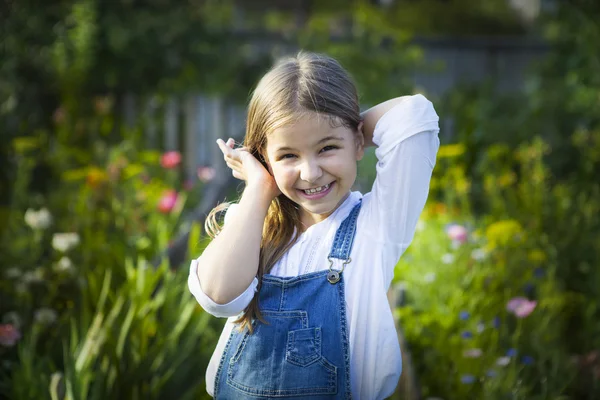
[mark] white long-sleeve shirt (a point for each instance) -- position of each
(407, 143)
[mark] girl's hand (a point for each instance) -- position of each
(246, 167)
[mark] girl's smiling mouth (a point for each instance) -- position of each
(316, 193)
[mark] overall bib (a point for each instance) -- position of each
(303, 350)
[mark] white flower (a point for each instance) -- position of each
(38, 219)
(64, 265)
(420, 226)
(34, 276)
(12, 273)
(429, 277)
(480, 327)
(448, 258)
(473, 353)
(478, 254)
(45, 316)
(503, 361)
(65, 241)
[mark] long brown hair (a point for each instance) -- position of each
(294, 87)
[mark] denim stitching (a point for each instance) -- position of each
(344, 237)
(299, 360)
(345, 344)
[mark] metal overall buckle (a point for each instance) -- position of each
(334, 275)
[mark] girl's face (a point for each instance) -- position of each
(314, 164)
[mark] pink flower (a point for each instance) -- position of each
(167, 201)
(9, 335)
(457, 233)
(170, 159)
(206, 174)
(521, 306)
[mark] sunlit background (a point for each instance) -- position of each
(109, 111)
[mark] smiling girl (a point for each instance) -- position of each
(302, 264)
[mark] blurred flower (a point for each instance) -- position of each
(467, 379)
(496, 322)
(457, 233)
(466, 335)
(511, 352)
(464, 315)
(12, 273)
(65, 241)
(9, 335)
(12, 318)
(420, 226)
(102, 104)
(170, 159)
(451, 150)
(472, 353)
(491, 373)
(503, 361)
(35, 276)
(478, 254)
(527, 360)
(429, 277)
(59, 115)
(115, 168)
(539, 272)
(95, 177)
(167, 201)
(45, 316)
(448, 258)
(40, 219)
(480, 327)
(536, 256)
(439, 209)
(503, 232)
(521, 306)
(206, 174)
(64, 265)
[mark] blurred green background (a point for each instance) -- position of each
(108, 116)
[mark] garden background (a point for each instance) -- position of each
(108, 111)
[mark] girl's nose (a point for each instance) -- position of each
(310, 171)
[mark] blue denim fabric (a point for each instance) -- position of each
(302, 351)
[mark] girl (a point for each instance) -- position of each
(302, 264)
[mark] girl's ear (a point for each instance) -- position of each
(360, 142)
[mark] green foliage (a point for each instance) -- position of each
(97, 319)
(465, 341)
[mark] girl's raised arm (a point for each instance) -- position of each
(230, 262)
(405, 131)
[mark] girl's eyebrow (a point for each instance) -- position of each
(323, 140)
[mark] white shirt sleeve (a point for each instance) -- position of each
(231, 309)
(407, 143)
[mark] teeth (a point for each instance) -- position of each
(317, 190)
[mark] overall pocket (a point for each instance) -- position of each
(281, 359)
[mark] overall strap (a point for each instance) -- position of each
(344, 237)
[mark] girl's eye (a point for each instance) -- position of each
(286, 156)
(327, 148)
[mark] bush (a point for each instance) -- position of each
(85, 312)
(491, 307)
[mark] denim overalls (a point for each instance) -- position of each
(303, 350)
